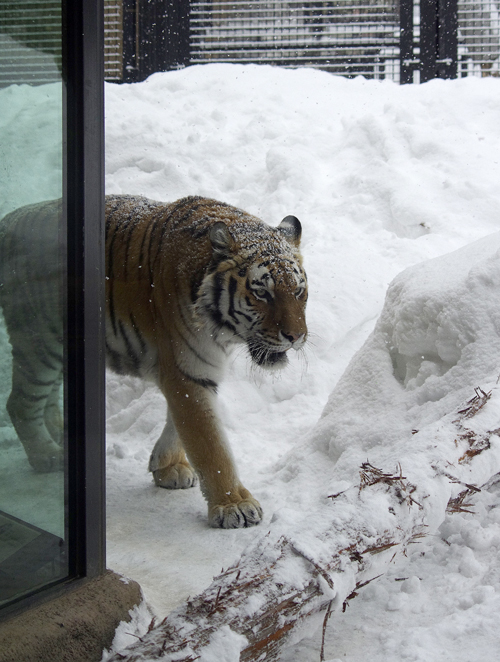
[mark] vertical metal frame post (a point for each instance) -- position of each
(438, 43)
(407, 59)
(84, 192)
(447, 60)
(156, 37)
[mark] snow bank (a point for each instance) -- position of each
(397, 405)
(436, 339)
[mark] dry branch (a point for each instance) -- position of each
(459, 504)
(183, 636)
(276, 585)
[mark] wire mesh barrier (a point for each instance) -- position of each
(113, 40)
(30, 42)
(401, 40)
(352, 37)
(348, 37)
(479, 38)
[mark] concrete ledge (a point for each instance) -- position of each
(75, 627)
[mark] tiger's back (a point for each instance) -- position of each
(156, 257)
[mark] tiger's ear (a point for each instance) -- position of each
(221, 239)
(292, 229)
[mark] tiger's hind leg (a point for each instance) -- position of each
(168, 463)
(31, 407)
(52, 414)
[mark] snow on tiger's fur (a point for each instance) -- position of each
(185, 283)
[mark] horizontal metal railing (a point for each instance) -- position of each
(113, 39)
(30, 42)
(349, 37)
(346, 37)
(479, 37)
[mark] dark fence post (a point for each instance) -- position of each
(406, 57)
(130, 41)
(152, 37)
(155, 37)
(447, 39)
(428, 39)
(438, 39)
(177, 46)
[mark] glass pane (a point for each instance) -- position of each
(32, 284)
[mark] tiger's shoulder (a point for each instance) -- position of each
(139, 230)
(194, 216)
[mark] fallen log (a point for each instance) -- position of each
(251, 609)
(400, 443)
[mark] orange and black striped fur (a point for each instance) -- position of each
(186, 282)
(31, 295)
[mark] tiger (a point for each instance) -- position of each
(186, 282)
(32, 299)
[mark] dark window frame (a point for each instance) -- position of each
(83, 185)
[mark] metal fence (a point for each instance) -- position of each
(348, 37)
(479, 37)
(30, 41)
(113, 39)
(403, 40)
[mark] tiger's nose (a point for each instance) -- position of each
(292, 337)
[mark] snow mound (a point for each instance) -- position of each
(444, 316)
(404, 405)
(437, 338)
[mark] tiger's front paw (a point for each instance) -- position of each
(175, 477)
(51, 459)
(244, 513)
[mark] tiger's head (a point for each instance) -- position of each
(255, 288)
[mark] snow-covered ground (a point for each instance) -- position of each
(382, 177)
(404, 406)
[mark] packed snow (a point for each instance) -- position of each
(382, 178)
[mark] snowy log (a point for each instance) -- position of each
(409, 433)
(252, 608)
